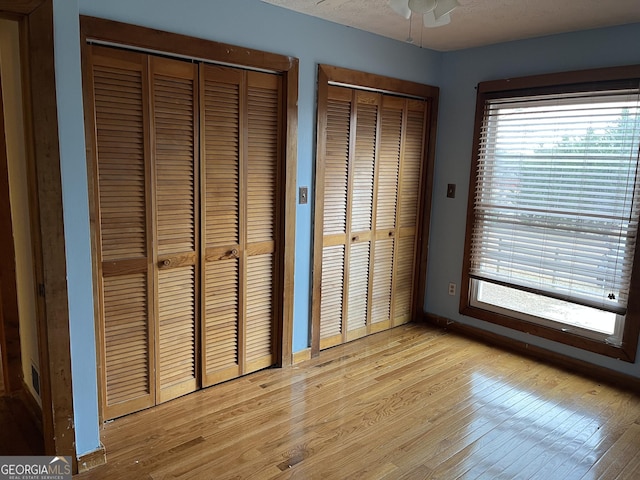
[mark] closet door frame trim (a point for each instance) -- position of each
(331, 75)
(108, 32)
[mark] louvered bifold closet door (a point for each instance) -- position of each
(387, 172)
(369, 185)
(220, 105)
(261, 187)
(240, 151)
(408, 210)
(123, 226)
(361, 213)
(334, 172)
(348, 172)
(174, 120)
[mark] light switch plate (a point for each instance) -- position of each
(451, 190)
(302, 195)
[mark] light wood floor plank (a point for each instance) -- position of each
(616, 459)
(546, 441)
(617, 414)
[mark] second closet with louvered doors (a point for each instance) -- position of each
(369, 181)
(186, 162)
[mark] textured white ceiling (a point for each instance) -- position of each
(476, 22)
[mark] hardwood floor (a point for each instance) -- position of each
(411, 403)
(19, 435)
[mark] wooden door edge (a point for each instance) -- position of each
(50, 260)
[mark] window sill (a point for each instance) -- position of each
(567, 338)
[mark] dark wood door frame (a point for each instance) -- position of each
(10, 325)
(43, 153)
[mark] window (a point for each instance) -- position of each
(554, 208)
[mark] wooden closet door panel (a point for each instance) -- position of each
(127, 347)
(175, 149)
(411, 164)
(403, 280)
(361, 213)
(358, 290)
(176, 360)
(363, 163)
(120, 106)
(220, 107)
(263, 152)
(174, 117)
(410, 174)
(120, 137)
(389, 162)
(259, 313)
(220, 328)
(222, 101)
(335, 172)
(382, 276)
(336, 161)
(331, 299)
(386, 201)
(263, 134)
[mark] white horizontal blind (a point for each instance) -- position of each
(556, 200)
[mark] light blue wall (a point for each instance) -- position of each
(247, 23)
(461, 73)
(76, 223)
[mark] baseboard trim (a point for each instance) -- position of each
(596, 372)
(91, 460)
(302, 356)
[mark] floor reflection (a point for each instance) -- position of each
(519, 434)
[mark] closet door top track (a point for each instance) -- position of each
(177, 56)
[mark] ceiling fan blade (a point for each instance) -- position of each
(445, 7)
(430, 20)
(401, 7)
